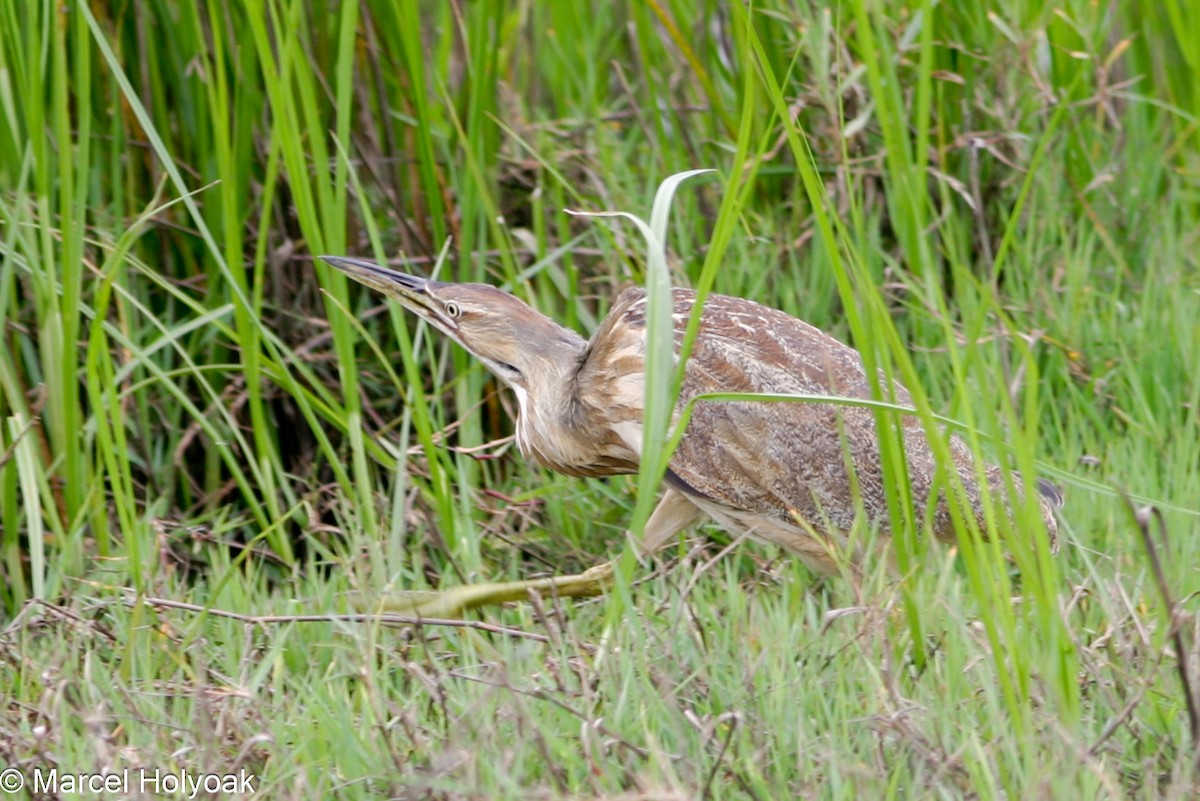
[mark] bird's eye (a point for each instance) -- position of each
(452, 310)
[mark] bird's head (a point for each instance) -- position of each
(521, 346)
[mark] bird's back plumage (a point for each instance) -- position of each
(794, 473)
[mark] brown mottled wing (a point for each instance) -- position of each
(777, 459)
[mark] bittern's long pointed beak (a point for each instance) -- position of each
(412, 292)
(386, 280)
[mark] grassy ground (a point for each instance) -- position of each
(1000, 205)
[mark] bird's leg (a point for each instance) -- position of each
(673, 514)
(451, 603)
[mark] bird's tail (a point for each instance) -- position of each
(1049, 498)
(1051, 492)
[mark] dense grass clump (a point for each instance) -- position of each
(206, 433)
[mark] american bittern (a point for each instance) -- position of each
(795, 474)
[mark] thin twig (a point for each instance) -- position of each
(734, 719)
(352, 617)
(1142, 517)
(11, 449)
(61, 611)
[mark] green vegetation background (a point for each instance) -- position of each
(997, 201)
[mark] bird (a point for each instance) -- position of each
(801, 475)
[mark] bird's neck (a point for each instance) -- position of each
(558, 426)
(546, 424)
